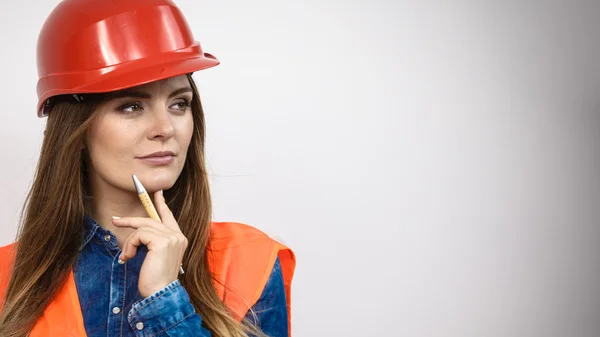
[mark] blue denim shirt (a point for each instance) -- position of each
(112, 305)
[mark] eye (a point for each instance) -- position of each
(131, 107)
(181, 105)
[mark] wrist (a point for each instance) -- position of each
(151, 289)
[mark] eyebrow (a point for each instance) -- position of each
(141, 94)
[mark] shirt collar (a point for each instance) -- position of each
(90, 228)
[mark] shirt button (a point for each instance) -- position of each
(139, 325)
(116, 310)
(107, 237)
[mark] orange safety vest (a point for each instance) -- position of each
(240, 256)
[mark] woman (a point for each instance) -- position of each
(116, 87)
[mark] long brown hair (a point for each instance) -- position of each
(50, 232)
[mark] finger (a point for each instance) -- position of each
(167, 217)
(135, 222)
(144, 236)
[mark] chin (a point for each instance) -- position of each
(154, 181)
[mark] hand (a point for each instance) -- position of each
(165, 242)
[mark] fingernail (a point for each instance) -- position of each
(161, 192)
(121, 261)
(116, 217)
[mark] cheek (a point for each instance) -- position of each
(110, 144)
(185, 131)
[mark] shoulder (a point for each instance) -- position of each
(227, 234)
(7, 254)
(6, 249)
(242, 260)
(220, 230)
(244, 244)
(238, 243)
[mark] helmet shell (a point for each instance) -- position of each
(95, 46)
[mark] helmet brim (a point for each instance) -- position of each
(132, 75)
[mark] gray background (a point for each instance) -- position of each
(434, 165)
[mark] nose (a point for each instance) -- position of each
(161, 126)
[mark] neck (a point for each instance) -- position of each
(109, 201)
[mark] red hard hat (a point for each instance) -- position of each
(95, 46)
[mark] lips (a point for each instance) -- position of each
(160, 158)
(159, 154)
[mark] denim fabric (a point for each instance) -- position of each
(112, 305)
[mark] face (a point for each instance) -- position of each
(146, 131)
